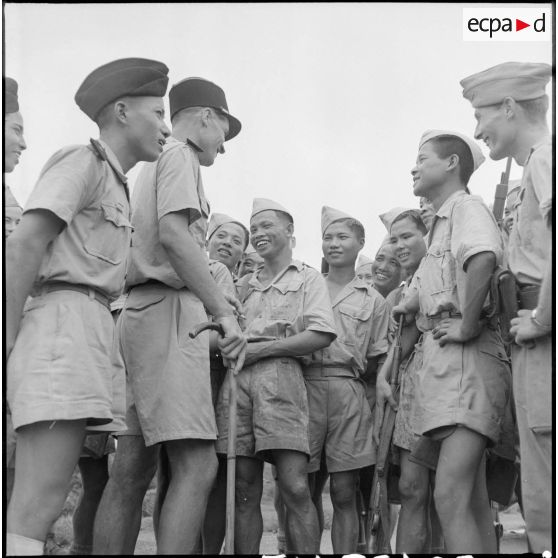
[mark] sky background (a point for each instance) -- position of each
(333, 98)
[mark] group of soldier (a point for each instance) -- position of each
(312, 355)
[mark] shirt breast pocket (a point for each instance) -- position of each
(354, 322)
(286, 301)
(440, 274)
(109, 238)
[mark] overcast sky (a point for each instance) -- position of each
(333, 98)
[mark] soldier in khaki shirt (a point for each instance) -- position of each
(69, 252)
(463, 384)
(510, 108)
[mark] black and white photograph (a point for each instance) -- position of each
(278, 278)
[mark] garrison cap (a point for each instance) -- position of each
(388, 217)
(263, 204)
(10, 95)
(9, 198)
(218, 219)
(133, 77)
(476, 153)
(362, 261)
(520, 80)
(249, 250)
(200, 92)
(330, 215)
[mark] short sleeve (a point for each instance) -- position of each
(317, 312)
(379, 328)
(474, 230)
(67, 181)
(540, 168)
(222, 276)
(177, 183)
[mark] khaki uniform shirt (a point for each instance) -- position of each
(462, 227)
(361, 321)
(173, 183)
(530, 239)
(222, 276)
(82, 189)
(296, 300)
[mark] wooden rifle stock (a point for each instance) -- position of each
(380, 530)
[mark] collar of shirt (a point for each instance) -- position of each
(114, 162)
(445, 210)
(545, 140)
(349, 289)
(255, 282)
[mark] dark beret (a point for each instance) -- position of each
(135, 77)
(10, 92)
(199, 92)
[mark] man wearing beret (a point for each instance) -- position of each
(69, 252)
(464, 382)
(510, 109)
(340, 417)
(288, 315)
(170, 288)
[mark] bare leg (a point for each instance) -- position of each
(317, 482)
(302, 521)
(94, 477)
(163, 479)
(482, 510)
(214, 524)
(46, 456)
(281, 519)
(460, 456)
(248, 520)
(193, 466)
(118, 518)
(414, 489)
(344, 529)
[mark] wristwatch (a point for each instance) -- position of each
(537, 323)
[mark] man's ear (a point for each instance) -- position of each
(120, 110)
(509, 104)
(205, 115)
(453, 161)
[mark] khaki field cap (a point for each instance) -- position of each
(362, 261)
(388, 217)
(219, 219)
(330, 215)
(476, 153)
(126, 77)
(10, 95)
(263, 204)
(200, 92)
(520, 80)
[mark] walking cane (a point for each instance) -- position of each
(231, 446)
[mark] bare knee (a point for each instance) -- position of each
(134, 467)
(449, 500)
(343, 492)
(413, 490)
(248, 493)
(295, 491)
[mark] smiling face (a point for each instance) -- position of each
(250, 262)
(227, 243)
(409, 244)
(12, 216)
(211, 138)
(496, 130)
(386, 270)
(146, 128)
(341, 245)
(270, 234)
(429, 172)
(14, 143)
(427, 212)
(364, 273)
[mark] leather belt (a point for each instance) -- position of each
(324, 371)
(528, 296)
(53, 286)
(433, 321)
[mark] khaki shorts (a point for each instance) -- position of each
(341, 424)
(272, 409)
(467, 384)
(64, 365)
(167, 372)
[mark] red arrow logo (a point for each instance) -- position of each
(519, 25)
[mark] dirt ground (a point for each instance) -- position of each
(514, 540)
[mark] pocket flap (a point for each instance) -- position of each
(113, 212)
(355, 312)
(290, 286)
(139, 299)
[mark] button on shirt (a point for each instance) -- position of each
(462, 227)
(530, 239)
(361, 319)
(296, 300)
(173, 183)
(82, 189)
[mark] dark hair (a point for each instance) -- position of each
(448, 145)
(356, 226)
(414, 216)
